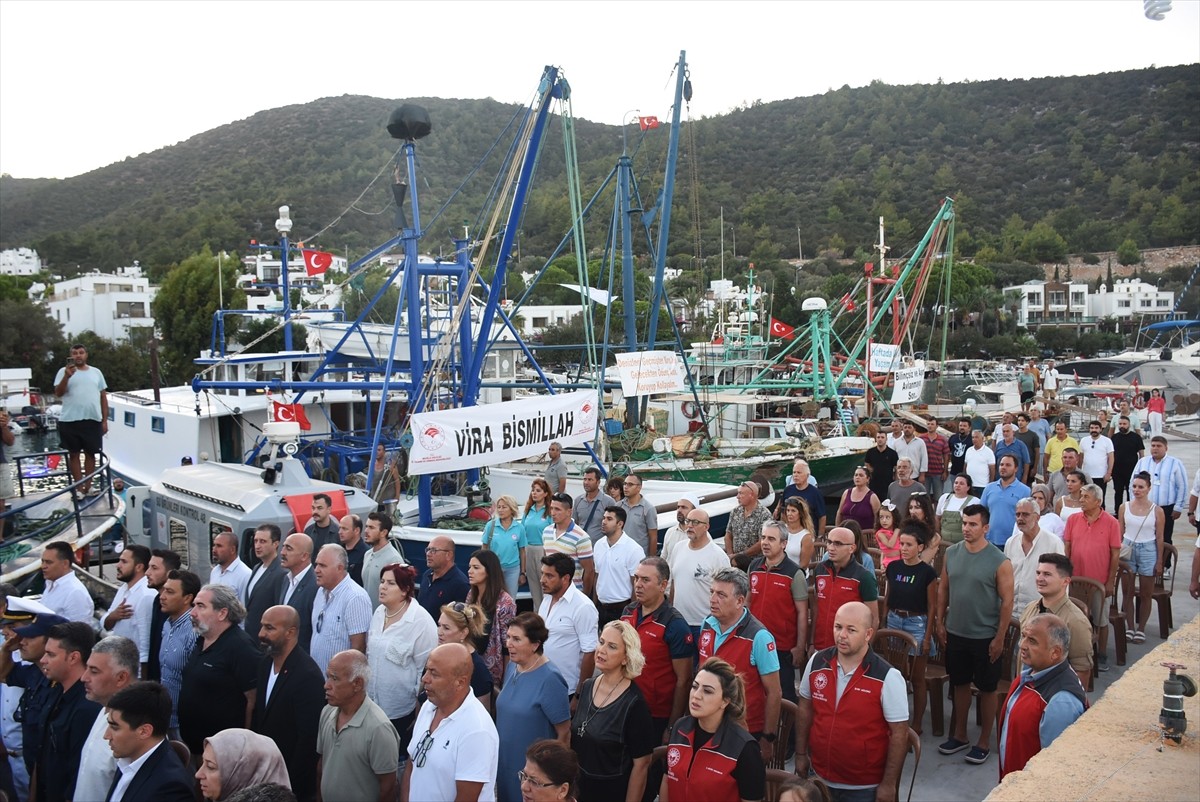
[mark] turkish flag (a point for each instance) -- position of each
(648, 122)
(781, 329)
(316, 262)
(291, 413)
(847, 302)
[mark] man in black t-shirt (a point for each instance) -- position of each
(882, 461)
(960, 441)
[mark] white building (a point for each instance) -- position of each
(1130, 298)
(264, 289)
(111, 305)
(1053, 303)
(20, 262)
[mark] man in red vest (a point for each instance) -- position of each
(779, 599)
(840, 579)
(1047, 698)
(850, 695)
(734, 635)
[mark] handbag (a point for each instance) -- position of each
(1126, 553)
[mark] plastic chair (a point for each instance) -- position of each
(936, 678)
(1163, 590)
(914, 746)
(896, 647)
(1095, 645)
(783, 733)
(1092, 594)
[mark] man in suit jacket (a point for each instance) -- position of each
(298, 588)
(292, 692)
(263, 590)
(162, 562)
(148, 770)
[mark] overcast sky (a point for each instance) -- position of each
(85, 84)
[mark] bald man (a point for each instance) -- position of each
(358, 745)
(443, 582)
(875, 714)
(290, 686)
(455, 747)
(298, 589)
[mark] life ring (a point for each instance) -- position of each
(1116, 402)
(690, 409)
(1138, 401)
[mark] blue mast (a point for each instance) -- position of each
(666, 197)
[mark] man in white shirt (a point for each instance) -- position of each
(572, 620)
(693, 566)
(113, 665)
(64, 593)
(132, 608)
(677, 535)
(617, 557)
(228, 569)
(1098, 457)
(1025, 547)
(979, 463)
(896, 435)
(455, 748)
(913, 447)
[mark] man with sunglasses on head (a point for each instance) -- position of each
(454, 750)
(564, 536)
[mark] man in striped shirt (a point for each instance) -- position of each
(341, 612)
(564, 536)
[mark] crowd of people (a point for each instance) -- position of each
(330, 670)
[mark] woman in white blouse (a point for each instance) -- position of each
(401, 636)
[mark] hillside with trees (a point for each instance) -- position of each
(1038, 167)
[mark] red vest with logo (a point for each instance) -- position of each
(657, 680)
(736, 650)
(832, 590)
(1020, 725)
(771, 599)
(857, 718)
(704, 775)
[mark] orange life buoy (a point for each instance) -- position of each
(689, 409)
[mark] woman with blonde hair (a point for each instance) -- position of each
(535, 519)
(612, 731)
(800, 544)
(505, 535)
(464, 623)
(712, 734)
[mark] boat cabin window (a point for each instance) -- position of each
(246, 548)
(216, 528)
(130, 419)
(112, 414)
(266, 371)
(177, 538)
(158, 424)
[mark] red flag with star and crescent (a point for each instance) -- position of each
(781, 329)
(316, 262)
(647, 122)
(291, 413)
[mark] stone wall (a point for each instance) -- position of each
(1154, 260)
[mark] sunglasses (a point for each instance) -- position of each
(423, 749)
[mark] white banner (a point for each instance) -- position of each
(472, 437)
(908, 385)
(650, 372)
(883, 358)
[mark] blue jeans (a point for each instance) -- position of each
(914, 625)
(936, 486)
(852, 794)
(1144, 556)
(512, 574)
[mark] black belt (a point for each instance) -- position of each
(617, 605)
(906, 613)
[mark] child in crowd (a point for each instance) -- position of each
(886, 539)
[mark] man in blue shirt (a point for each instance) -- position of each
(443, 581)
(804, 486)
(1001, 497)
(1168, 488)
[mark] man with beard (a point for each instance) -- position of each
(1128, 448)
(178, 636)
(882, 461)
(960, 441)
(132, 608)
(291, 693)
(218, 688)
(162, 563)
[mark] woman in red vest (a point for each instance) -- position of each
(710, 756)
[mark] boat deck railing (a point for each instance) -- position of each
(39, 481)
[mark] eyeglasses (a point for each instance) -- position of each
(423, 749)
(432, 550)
(693, 522)
(838, 543)
(523, 778)
(630, 484)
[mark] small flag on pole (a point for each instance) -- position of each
(781, 329)
(316, 262)
(648, 122)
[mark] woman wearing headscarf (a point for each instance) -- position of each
(235, 759)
